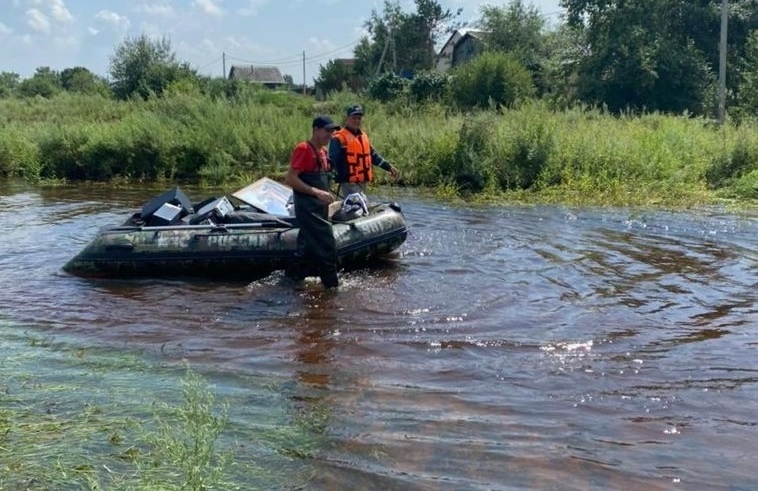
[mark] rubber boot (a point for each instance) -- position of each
(329, 279)
(295, 271)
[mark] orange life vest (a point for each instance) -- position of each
(357, 155)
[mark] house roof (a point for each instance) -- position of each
(475, 34)
(458, 34)
(454, 37)
(260, 74)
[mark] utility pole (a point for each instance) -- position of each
(384, 52)
(394, 53)
(303, 72)
(223, 63)
(722, 61)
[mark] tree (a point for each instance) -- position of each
(518, 30)
(80, 79)
(336, 75)
(9, 81)
(566, 47)
(141, 66)
(44, 83)
(432, 22)
(514, 29)
(373, 53)
(402, 42)
(655, 54)
(748, 88)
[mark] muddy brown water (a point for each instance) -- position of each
(499, 348)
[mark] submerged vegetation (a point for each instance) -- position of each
(74, 418)
(528, 153)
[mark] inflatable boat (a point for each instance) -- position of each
(247, 235)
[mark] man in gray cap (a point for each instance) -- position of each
(353, 157)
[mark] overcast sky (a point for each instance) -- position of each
(68, 33)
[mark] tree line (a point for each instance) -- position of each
(630, 56)
(627, 57)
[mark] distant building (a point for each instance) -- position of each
(462, 46)
(444, 61)
(268, 76)
(354, 82)
(348, 62)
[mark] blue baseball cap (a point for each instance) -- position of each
(325, 122)
(355, 110)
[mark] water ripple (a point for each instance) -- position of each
(501, 348)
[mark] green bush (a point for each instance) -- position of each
(18, 156)
(746, 187)
(102, 158)
(523, 153)
(729, 168)
(387, 87)
(467, 169)
(492, 79)
(426, 86)
(60, 151)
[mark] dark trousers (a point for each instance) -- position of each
(317, 248)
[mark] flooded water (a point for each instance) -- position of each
(501, 348)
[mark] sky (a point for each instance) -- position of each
(298, 36)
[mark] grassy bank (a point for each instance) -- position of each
(528, 154)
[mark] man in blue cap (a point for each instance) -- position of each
(353, 157)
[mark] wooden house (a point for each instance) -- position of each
(461, 46)
(268, 76)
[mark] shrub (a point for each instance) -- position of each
(467, 169)
(427, 86)
(528, 149)
(729, 168)
(387, 87)
(490, 79)
(18, 157)
(60, 152)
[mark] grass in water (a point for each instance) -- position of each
(75, 418)
(50, 441)
(182, 450)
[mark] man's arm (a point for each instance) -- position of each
(338, 159)
(380, 162)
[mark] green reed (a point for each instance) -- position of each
(531, 153)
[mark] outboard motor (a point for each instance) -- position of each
(166, 209)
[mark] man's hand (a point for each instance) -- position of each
(394, 172)
(323, 196)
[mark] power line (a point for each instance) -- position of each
(208, 64)
(295, 59)
(267, 62)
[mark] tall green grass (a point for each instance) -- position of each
(531, 152)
